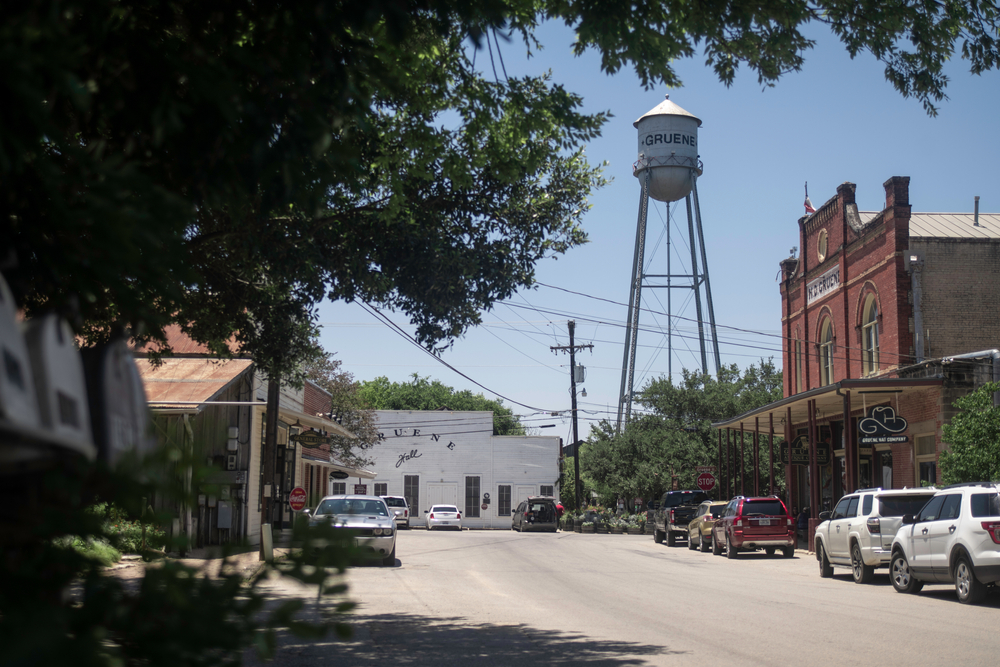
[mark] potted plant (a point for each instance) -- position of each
(617, 526)
(587, 527)
(578, 523)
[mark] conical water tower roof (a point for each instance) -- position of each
(667, 108)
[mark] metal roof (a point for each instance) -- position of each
(190, 380)
(667, 108)
(947, 225)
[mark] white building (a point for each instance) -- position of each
(453, 457)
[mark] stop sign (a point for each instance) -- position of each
(706, 481)
(297, 499)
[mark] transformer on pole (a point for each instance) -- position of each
(668, 169)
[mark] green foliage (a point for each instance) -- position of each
(675, 435)
(348, 407)
(426, 394)
(974, 439)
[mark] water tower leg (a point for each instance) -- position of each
(708, 282)
(695, 285)
(634, 307)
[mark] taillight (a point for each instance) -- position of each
(789, 522)
(459, 515)
(432, 515)
(739, 523)
(874, 526)
(671, 516)
(994, 530)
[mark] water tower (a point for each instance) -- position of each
(668, 169)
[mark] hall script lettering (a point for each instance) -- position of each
(414, 454)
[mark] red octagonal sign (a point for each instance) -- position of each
(706, 481)
(297, 499)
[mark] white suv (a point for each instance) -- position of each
(399, 509)
(858, 532)
(954, 538)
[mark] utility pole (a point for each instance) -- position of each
(268, 454)
(571, 325)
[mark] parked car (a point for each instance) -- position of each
(700, 529)
(367, 517)
(399, 508)
(858, 533)
(955, 538)
(748, 524)
(673, 513)
(444, 516)
(536, 513)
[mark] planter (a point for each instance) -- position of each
(617, 530)
(601, 528)
(586, 529)
(578, 527)
(567, 524)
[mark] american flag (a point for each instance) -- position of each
(808, 204)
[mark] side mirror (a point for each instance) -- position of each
(307, 511)
(908, 519)
(825, 516)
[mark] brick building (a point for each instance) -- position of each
(887, 317)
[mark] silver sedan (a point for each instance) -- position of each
(369, 519)
(444, 516)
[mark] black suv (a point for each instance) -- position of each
(673, 513)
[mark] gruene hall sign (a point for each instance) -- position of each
(800, 452)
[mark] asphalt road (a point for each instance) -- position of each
(505, 598)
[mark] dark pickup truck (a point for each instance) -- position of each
(673, 513)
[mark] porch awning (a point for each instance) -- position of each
(829, 401)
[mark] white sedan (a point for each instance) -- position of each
(444, 516)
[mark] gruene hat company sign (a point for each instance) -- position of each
(881, 426)
(800, 452)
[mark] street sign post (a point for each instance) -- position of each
(706, 481)
(297, 499)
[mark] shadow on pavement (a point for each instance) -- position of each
(407, 639)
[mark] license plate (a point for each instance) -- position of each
(445, 523)
(764, 522)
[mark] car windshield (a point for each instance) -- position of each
(444, 508)
(684, 498)
(763, 508)
(352, 506)
(900, 505)
(395, 502)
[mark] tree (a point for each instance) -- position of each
(426, 394)
(348, 407)
(675, 435)
(227, 167)
(974, 439)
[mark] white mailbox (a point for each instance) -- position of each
(18, 401)
(59, 383)
(117, 402)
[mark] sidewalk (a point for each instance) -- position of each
(243, 560)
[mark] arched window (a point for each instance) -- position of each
(869, 336)
(826, 353)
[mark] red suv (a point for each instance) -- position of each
(748, 524)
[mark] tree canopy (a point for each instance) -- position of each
(227, 167)
(674, 435)
(426, 394)
(348, 408)
(973, 437)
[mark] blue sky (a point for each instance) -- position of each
(837, 120)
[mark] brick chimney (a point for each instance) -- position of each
(897, 191)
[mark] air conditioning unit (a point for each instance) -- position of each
(231, 462)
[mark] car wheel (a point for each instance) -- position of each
(899, 573)
(825, 569)
(970, 590)
(716, 549)
(691, 545)
(390, 560)
(788, 552)
(658, 536)
(671, 538)
(703, 546)
(862, 572)
(730, 549)
(769, 551)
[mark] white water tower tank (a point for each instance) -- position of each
(668, 147)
